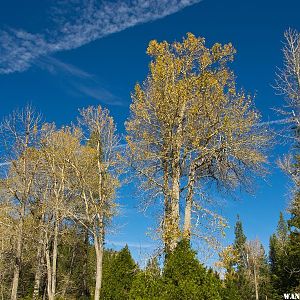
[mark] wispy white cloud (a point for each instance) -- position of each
(96, 91)
(55, 66)
(77, 81)
(79, 22)
(277, 122)
(4, 164)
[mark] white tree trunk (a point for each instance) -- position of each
(52, 267)
(54, 258)
(38, 274)
(188, 205)
(98, 243)
(256, 283)
(175, 189)
(49, 277)
(17, 263)
(174, 207)
(39, 263)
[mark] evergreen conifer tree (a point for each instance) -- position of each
(239, 241)
(185, 278)
(147, 284)
(278, 256)
(294, 244)
(119, 271)
(241, 280)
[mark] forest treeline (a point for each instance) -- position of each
(189, 127)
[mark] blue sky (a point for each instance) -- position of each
(63, 55)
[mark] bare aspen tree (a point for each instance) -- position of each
(288, 85)
(189, 125)
(254, 254)
(41, 209)
(6, 249)
(95, 168)
(249, 261)
(288, 78)
(19, 135)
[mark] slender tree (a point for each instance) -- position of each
(57, 149)
(288, 84)
(288, 77)
(294, 243)
(19, 136)
(97, 178)
(240, 238)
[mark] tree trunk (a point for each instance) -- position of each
(167, 204)
(175, 189)
(38, 275)
(17, 263)
(174, 207)
(255, 283)
(98, 243)
(99, 228)
(54, 258)
(188, 205)
(51, 267)
(38, 271)
(44, 293)
(85, 290)
(49, 277)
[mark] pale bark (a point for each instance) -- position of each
(17, 264)
(175, 189)
(188, 205)
(38, 273)
(166, 218)
(54, 258)
(99, 232)
(49, 283)
(174, 207)
(255, 283)
(98, 244)
(39, 263)
(52, 265)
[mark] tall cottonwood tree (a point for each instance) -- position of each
(189, 124)
(19, 136)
